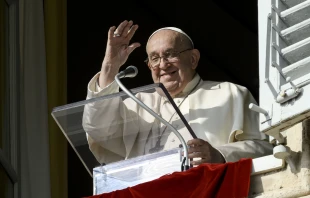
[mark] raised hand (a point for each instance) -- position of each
(117, 50)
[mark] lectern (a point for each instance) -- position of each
(119, 143)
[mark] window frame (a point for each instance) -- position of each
(10, 152)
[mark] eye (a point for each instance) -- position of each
(154, 58)
(170, 54)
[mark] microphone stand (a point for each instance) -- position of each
(140, 103)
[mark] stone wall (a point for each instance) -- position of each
(294, 179)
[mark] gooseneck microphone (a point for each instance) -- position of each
(132, 71)
(129, 72)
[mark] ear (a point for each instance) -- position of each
(195, 58)
(149, 65)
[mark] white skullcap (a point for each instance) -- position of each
(174, 29)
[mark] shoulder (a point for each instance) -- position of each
(227, 89)
(222, 85)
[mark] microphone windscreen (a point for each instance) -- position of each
(130, 72)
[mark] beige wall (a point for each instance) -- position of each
(289, 181)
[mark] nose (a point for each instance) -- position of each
(163, 63)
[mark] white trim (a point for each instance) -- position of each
(295, 8)
(266, 164)
(299, 26)
(295, 46)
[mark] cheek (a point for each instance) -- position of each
(182, 72)
(185, 73)
(155, 76)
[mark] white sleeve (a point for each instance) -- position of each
(233, 152)
(98, 119)
(246, 141)
(93, 89)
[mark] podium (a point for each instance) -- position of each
(121, 144)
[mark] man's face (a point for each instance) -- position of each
(176, 74)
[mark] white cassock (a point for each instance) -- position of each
(216, 111)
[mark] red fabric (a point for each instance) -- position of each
(230, 180)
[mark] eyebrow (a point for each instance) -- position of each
(167, 50)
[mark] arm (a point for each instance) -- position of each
(104, 134)
(117, 51)
(100, 123)
(233, 152)
(245, 139)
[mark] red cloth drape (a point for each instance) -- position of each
(229, 180)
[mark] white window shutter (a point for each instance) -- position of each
(284, 64)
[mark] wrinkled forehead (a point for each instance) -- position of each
(162, 41)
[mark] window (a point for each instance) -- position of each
(284, 63)
(284, 72)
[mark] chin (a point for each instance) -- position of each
(170, 85)
(172, 89)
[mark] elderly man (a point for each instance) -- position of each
(217, 112)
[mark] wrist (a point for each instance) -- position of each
(109, 70)
(221, 157)
(107, 74)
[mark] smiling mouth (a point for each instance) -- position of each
(170, 73)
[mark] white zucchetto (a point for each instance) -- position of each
(174, 29)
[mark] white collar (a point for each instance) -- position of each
(190, 86)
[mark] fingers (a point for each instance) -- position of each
(111, 32)
(199, 156)
(124, 32)
(126, 29)
(132, 31)
(196, 142)
(196, 155)
(198, 162)
(133, 46)
(194, 149)
(200, 149)
(119, 30)
(206, 153)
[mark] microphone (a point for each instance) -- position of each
(129, 72)
(132, 71)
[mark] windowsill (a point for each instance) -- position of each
(266, 164)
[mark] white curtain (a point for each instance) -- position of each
(34, 145)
